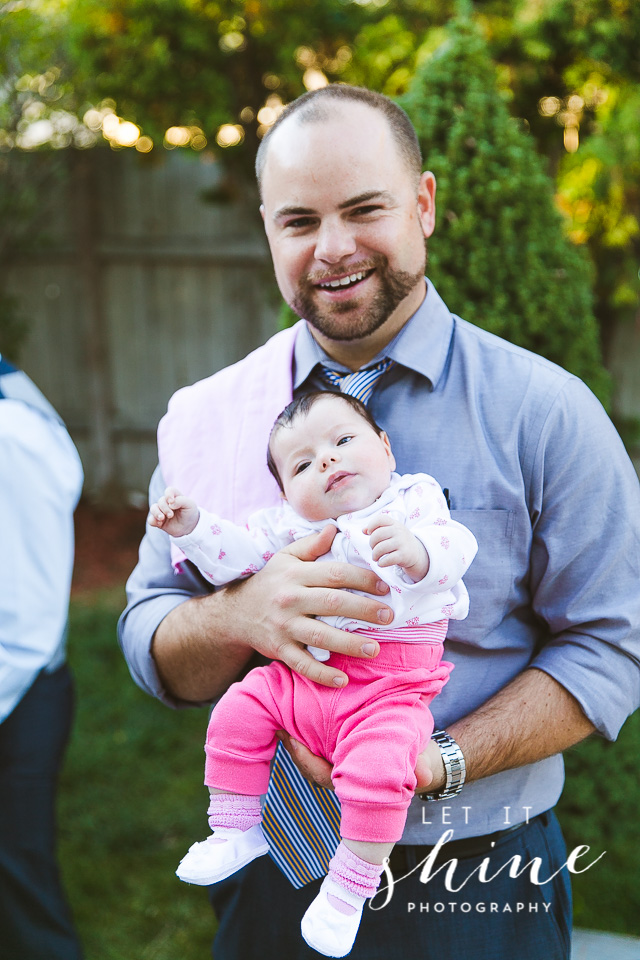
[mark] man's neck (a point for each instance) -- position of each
(355, 354)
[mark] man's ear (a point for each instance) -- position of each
(427, 203)
(262, 211)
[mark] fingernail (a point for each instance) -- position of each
(369, 649)
(294, 744)
(382, 587)
(385, 616)
(339, 681)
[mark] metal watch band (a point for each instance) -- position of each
(454, 766)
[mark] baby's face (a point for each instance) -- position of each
(331, 461)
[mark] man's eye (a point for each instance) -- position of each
(363, 211)
(344, 440)
(300, 223)
(301, 467)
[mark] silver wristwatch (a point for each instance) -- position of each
(454, 765)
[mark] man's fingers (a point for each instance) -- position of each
(337, 575)
(314, 633)
(322, 602)
(313, 768)
(430, 771)
(314, 546)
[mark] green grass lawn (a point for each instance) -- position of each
(132, 801)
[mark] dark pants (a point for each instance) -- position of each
(35, 921)
(259, 912)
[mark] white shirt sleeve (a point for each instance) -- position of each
(41, 480)
(450, 545)
(224, 551)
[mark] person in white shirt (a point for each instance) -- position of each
(41, 480)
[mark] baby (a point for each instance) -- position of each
(333, 464)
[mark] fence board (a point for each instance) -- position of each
(187, 289)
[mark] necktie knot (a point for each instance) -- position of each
(360, 384)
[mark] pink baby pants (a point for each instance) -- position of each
(372, 731)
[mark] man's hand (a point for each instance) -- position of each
(393, 544)
(202, 645)
(430, 770)
(277, 607)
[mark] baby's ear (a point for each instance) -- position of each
(387, 446)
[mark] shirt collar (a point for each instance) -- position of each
(422, 345)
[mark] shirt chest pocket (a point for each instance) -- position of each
(490, 577)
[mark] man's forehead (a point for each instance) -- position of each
(350, 132)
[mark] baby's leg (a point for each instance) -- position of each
(373, 774)
(241, 740)
(331, 923)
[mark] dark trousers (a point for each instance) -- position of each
(35, 921)
(259, 912)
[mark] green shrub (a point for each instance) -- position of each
(499, 256)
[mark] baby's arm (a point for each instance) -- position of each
(224, 551)
(393, 544)
(175, 514)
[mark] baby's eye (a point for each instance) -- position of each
(344, 440)
(301, 466)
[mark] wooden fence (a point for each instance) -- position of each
(143, 286)
(140, 287)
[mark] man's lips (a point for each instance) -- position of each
(337, 478)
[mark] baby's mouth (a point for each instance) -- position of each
(336, 478)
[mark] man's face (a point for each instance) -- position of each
(346, 223)
(331, 461)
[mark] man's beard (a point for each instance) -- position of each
(394, 286)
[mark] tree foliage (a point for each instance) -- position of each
(499, 256)
(569, 71)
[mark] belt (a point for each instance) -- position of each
(402, 856)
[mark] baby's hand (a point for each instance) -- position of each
(392, 544)
(173, 513)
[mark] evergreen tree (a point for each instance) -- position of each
(499, 255)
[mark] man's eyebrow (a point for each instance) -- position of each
(383, 195)
(294, 211)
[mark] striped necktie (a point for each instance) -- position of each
(302, 820)
(359, 384)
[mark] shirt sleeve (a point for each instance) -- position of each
(154, 589)
(41, 480)
(585, 559)
(450, 545)
(224, 551)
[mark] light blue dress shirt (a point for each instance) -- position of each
(40, 479)
(537, 472)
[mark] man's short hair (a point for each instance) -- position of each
(301, 406)
(319, 105)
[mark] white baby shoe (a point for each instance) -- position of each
(325, 928)
(210, 861)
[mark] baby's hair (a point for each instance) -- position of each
(300, 407)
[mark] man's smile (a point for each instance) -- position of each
(346, 281)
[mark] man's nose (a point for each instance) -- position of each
(335, 241)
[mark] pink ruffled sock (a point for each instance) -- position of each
(354, 874)
(233, 810)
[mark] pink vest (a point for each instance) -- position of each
(212, 442)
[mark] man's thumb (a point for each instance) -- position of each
(315, 545)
